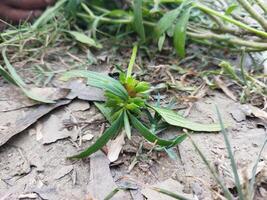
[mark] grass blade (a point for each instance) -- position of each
(227, 193)
(132, 60)
(102, 140)
(127, 126)
(179, 37)
(146, 133)
(175, 119)
(7, 76)
(13, 77)
(230, 154)
(82, 38)
(106, 111)
(138, 19)
(171, 194)
(167, 20)
(12, 71)
(111, 194)
(48, 14)
(252, 182)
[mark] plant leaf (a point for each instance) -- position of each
(175, 119)
(80, 37)
(12, 71)
(167, 20)
(171, 194)
(48, 14)
(213, 172)
(106, 111)
(102, 140)
(161, 41)
(145, 132)
(127, 126)
(138, 19)
(179, 37)
(231, 8)
(7, 76)
(13, 77)
(231, 156)
(98, 80)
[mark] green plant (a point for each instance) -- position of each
(243, 193)
(126, 102)
(12, 77)
(222, 24)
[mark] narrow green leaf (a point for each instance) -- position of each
(226, 191)
(161, 41)
(175, 119)
(12, 70)
(179, 37)
(80, 37)
(254, 170)
(127, 126)
(145, 132)
(48, 14)
(138, 19)
(106, 111)
(7, 76)
(171, 194)
(13, 77)
(112, 194)
(98, 80)
(168, 19)
(102, 140)
(132, 61)
(231, 8)
(231, 156)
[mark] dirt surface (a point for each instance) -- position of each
(33, 162)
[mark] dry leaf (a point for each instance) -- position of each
(219, 82)
(115, 146)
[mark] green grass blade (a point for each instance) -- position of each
(102, 140)
(230, 154)
(127, 126)
(48, 14)
(138, 19)
(132, 61)
(12, 70)
(148, 135)
(7, 76)
(227, 193)
(179, 37)
(171, 194)
(161, 41)
(252, 182)
(167, 20)
(82, 38)
(112, 194)
(13, 77)
(98, 80)
(175, 119)
(106, 111)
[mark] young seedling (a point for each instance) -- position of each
(126, 102)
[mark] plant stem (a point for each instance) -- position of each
(258, 17)
(229, 19)
(262, 4)
(132, 60)
(229, 39)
